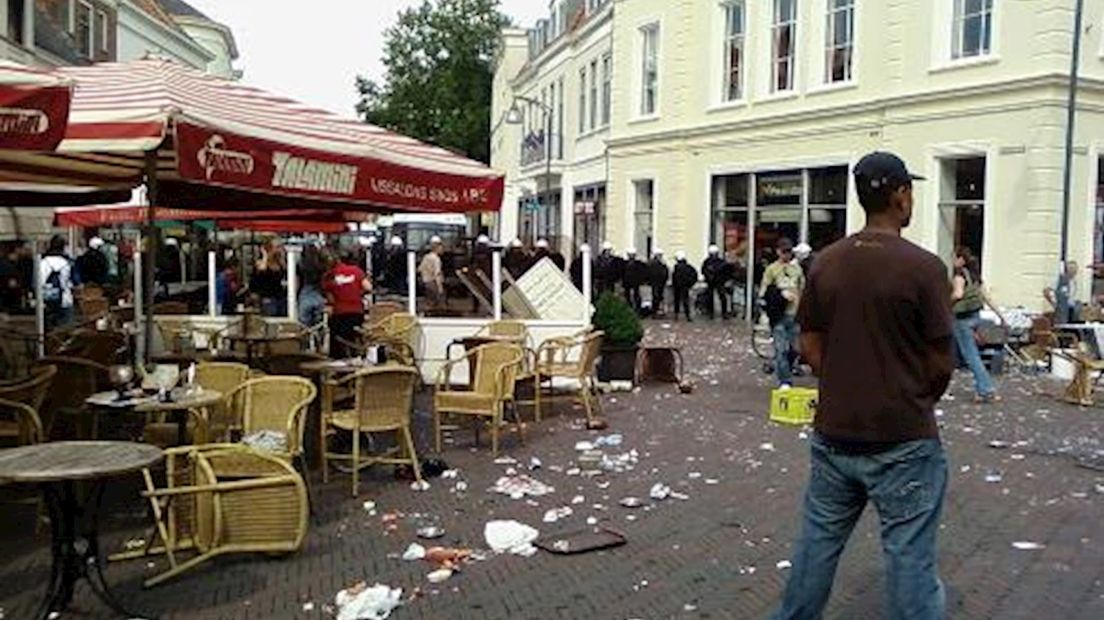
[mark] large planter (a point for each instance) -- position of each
(617, 363)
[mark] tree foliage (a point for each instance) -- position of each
(439, 60)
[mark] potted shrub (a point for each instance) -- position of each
(623, 332)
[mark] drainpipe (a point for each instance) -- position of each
(1071, 115)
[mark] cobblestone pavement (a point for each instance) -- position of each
(713, 555)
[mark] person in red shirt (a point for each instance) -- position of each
(345, 286)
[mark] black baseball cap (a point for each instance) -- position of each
(881, 169)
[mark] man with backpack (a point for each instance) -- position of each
(56, 275)
(780, 290)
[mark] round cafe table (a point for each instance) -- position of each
(196, 402)
(57, 468)
(324, 372)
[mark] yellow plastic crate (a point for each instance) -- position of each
(793, 406)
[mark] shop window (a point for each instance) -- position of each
(590, 218)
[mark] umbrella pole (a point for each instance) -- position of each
(152, 240)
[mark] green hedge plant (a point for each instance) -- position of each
(614, 316)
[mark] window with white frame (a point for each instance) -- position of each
(102, 30)
(82, 28)
(593, 94)
(607, 87)
(560, 120)
(840, 41)
(783, 45)
(643, 215)
(972, 29)
(582, 100)
(734, 50)
(649, 74)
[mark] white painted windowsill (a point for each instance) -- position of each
(964, 63)
(649, 118)
(723, 106)
(832, 87)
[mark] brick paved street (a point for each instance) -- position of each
(711, 556)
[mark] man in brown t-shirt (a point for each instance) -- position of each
(876, 327)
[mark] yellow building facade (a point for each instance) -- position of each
(737, 122)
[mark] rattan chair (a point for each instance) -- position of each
(19, 422)
(222, 377)
(496, 367)
(381, 310)
(76, 380)
(573, 358)
(383, 398)
(169, 308)
(102, 347)
(396, 333)
(505, 330)
(288, 364)
(276, 404)
(221, 499)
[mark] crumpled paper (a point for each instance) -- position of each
(266, 440)
(360, 602)
(510, 537)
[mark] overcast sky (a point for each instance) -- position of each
(313, 51)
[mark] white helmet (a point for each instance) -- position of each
(713, 249)
(606, 245)
(434, 240)
(365, 241)
(657, 252)
(802, 251)
(483, 240)
(515, 243)
(680, 255)
(372, 240)
(630, 251)
(542, 243)
(95, 243)
(396, 241)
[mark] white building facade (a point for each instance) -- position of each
(737, 122)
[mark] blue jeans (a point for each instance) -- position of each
(964, 328)
(906, 484)
(785, 335)
(273, 306)
(312, 306)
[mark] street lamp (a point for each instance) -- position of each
(514, 116)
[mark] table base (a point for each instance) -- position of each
(75, 548)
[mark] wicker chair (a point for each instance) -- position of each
(276, 404)
(572, 358)
(103, 347)
(19, 422)
(505, 330)
(93, 304)
(381, 310)
(222, 377)
(496, 367)
(395, 333)
(169, 308)
(383, 400)
(76, 380)
(288, 364)
(221, 499)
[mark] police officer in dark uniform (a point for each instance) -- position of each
(717, 272)
(634, 276)
(683, 279)
(658, 273)
(516, 261)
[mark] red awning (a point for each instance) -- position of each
(291, 220)
(34, 108)
(222, 145)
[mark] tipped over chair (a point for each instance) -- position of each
(221, 499)
(495, 368)
(573, 359)
(382, 403)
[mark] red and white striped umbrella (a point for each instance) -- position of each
(34, 107)
(225, 145)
